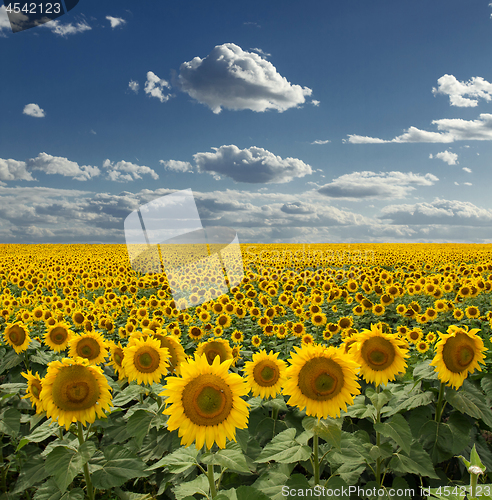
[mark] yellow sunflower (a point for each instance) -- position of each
(176, 352)
(17, 336)
(58, 336)
(195, 333)
(90, 345)
(256, 340)
(458, 353)
(321, 379)
(34, 386)
(74, 391)
(237, 336)
(215, 348)
(145, 361)
(117, 355)
(422, 346)
(381, 355)
(206, 404)
(265, 375)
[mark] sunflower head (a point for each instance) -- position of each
(321, 379)
(17, 336)
(206, 404)
(34, 387)
(74, 391)
(381, 355)
(176, 352)
(215, 348)
(58, 336)
(458, 353)
(117, 355)
(90, 345)
(265, 375)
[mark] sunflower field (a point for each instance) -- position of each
(329, 371)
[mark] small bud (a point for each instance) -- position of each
(473, 469)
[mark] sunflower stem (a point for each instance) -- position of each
(274, 418)
(378, 441)
(316, 458)
(211, 480)
(87, 474)
(439, 407)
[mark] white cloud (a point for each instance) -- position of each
(115, 21)
(177, 166)
(134, 86)
(125, 171)
(321, 142)
(467, 183)
(264, 54)
(235, 79)
(33, 110)
(451, 212)
(475, 88)
(468, 170)
(13, 170)
(4, 22)
(66, 29)
(447, 157)
(369, 185)
(58, 165)
(316, 103)
(253, 165)
(93, 132)
(155, 85)
(451, 129)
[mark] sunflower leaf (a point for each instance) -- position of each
(328, 429)
(416, 462)
(179, 461)
(284, 449)
(397, 429)
(232, 458)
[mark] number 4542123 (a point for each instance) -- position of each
(33, 8)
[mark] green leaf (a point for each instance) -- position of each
(276, 404)
(12, 389)
(50, 491)
(284, 449)
(437, 439)
(328, 429)
(417, 418)
(397, 429)
(64, 464)
(179, 461)
(470, 400)
(119, 466)
(424, 370)
(32, 472)
(199, 485)
(378, 399)
(128, 394)
(10, 422)
(416, 462)
(10, 360)
(139, 424)
(232, 458)
(44, 431)
(360, 409)
(461, 427)
(421, 399)
(270, 482)
(475, 459)
(250, 493)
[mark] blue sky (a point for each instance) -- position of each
(328, 122)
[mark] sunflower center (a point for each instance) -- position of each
(58, 335)
(266, 373)
(321, 379)
(36, 389)
(146, 359)
(88, 348)
(17, 335)
(78, 318)
(458, 353)
(75, 388)
(207, 400)
(118, 356)
(378, 353)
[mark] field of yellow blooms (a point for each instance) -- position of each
(329, 371)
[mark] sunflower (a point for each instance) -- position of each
(117, 355)
(318, 319)
(414, 335)
(381, 355)
(458, 314)
(321, 379)
(74, 391)
(215, 348)
(256, 340)
(237, 336)
(176, 352)
(34, 386)
(17, 336)
(91, 346)
(472, 312)
(78, 318)
(378, 309)
(145, 360)
(206, 404)
(58, 336)
(422, 346)
(458, 353)
(345, 322)
(265, 375)
(195, 333)
(430, 338)
(298, 329)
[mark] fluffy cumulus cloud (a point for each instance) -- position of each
(115, 21)
(125, 171)
(371, 185)
(13, 170)
(63, 166)
(447, 157)
(177, 166)
(235, 79)
(474, 88)
(33, 110)
(450, 212)
(321, 142)
(154, 86)
(66, 29)
(4, 22)
(253, 165)
(450, 130)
